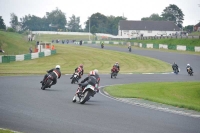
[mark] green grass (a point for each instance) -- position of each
(6, 131)
(179, 94)
(194, 34)
(13, 43)
(70, 56)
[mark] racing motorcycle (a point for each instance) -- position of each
(75, 78)
(129, 48)
(47, 82)
(85, 95)
(102, 45)
(176, 70)
(190, 72)
(113, 72)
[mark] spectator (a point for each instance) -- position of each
(1, 50)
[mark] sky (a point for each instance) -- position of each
(131, 9)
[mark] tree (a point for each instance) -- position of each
(173, 13)
(2, 24)
(153, 17)
(14, 22)
(98, 21)
(74, 24)
(113, 23)
(189, 28)
(56, 19)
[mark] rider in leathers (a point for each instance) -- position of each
(79, 70)
(55, 73)
(175, 66)
(92, 79)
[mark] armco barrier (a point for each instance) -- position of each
(9, 58)
(172, 46)
(27, 56)
(156, 46)
(190, 48)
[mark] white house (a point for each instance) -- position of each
(132, 29)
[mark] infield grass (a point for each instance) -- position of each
(70, 56)
(179, 94)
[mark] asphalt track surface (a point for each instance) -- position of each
(24, 107)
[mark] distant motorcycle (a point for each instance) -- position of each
(47, 82)
(75, 78)
(129, 48)
(102, 45)
(176, 70)
(85, 95)
(190, 72)
(113, 72)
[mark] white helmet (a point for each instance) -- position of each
(188, 64)
(96, 71)
(58, 66)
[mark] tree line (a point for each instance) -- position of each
(97, 23)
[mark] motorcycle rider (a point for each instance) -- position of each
(188, 66)
(175, 66)
(78, 70)
(102, 44)
(92, 79)
(55, 73)
(116, 65)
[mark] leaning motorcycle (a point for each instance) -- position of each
(75, 78)
(190, 72)
(102, 46)
(129, 49)
(113, 73)
(83, 96)
(47, 82)
(176, 70)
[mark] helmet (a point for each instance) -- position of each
(58, 66)
(92, 73)
(81, 65)
(174, 62)
(188, 64)
(96, 71)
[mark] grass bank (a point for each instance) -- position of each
(70, 56)
(13, 43)
(179, 94)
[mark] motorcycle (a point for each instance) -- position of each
(47, 82)
(102, 46)
(176, 70)
(190, 72)
(85, 95)
(129, 48)
(113, 72)
(75, 78)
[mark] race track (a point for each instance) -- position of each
(24, 107)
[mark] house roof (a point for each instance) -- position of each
(198, 25)
(148, 25)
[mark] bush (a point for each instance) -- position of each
(10, 30)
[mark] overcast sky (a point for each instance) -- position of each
(131, 9)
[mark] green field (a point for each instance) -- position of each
(179, 94)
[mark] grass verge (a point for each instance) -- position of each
(179, 94)
(70, 56)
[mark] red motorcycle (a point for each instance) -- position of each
(114, 72)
